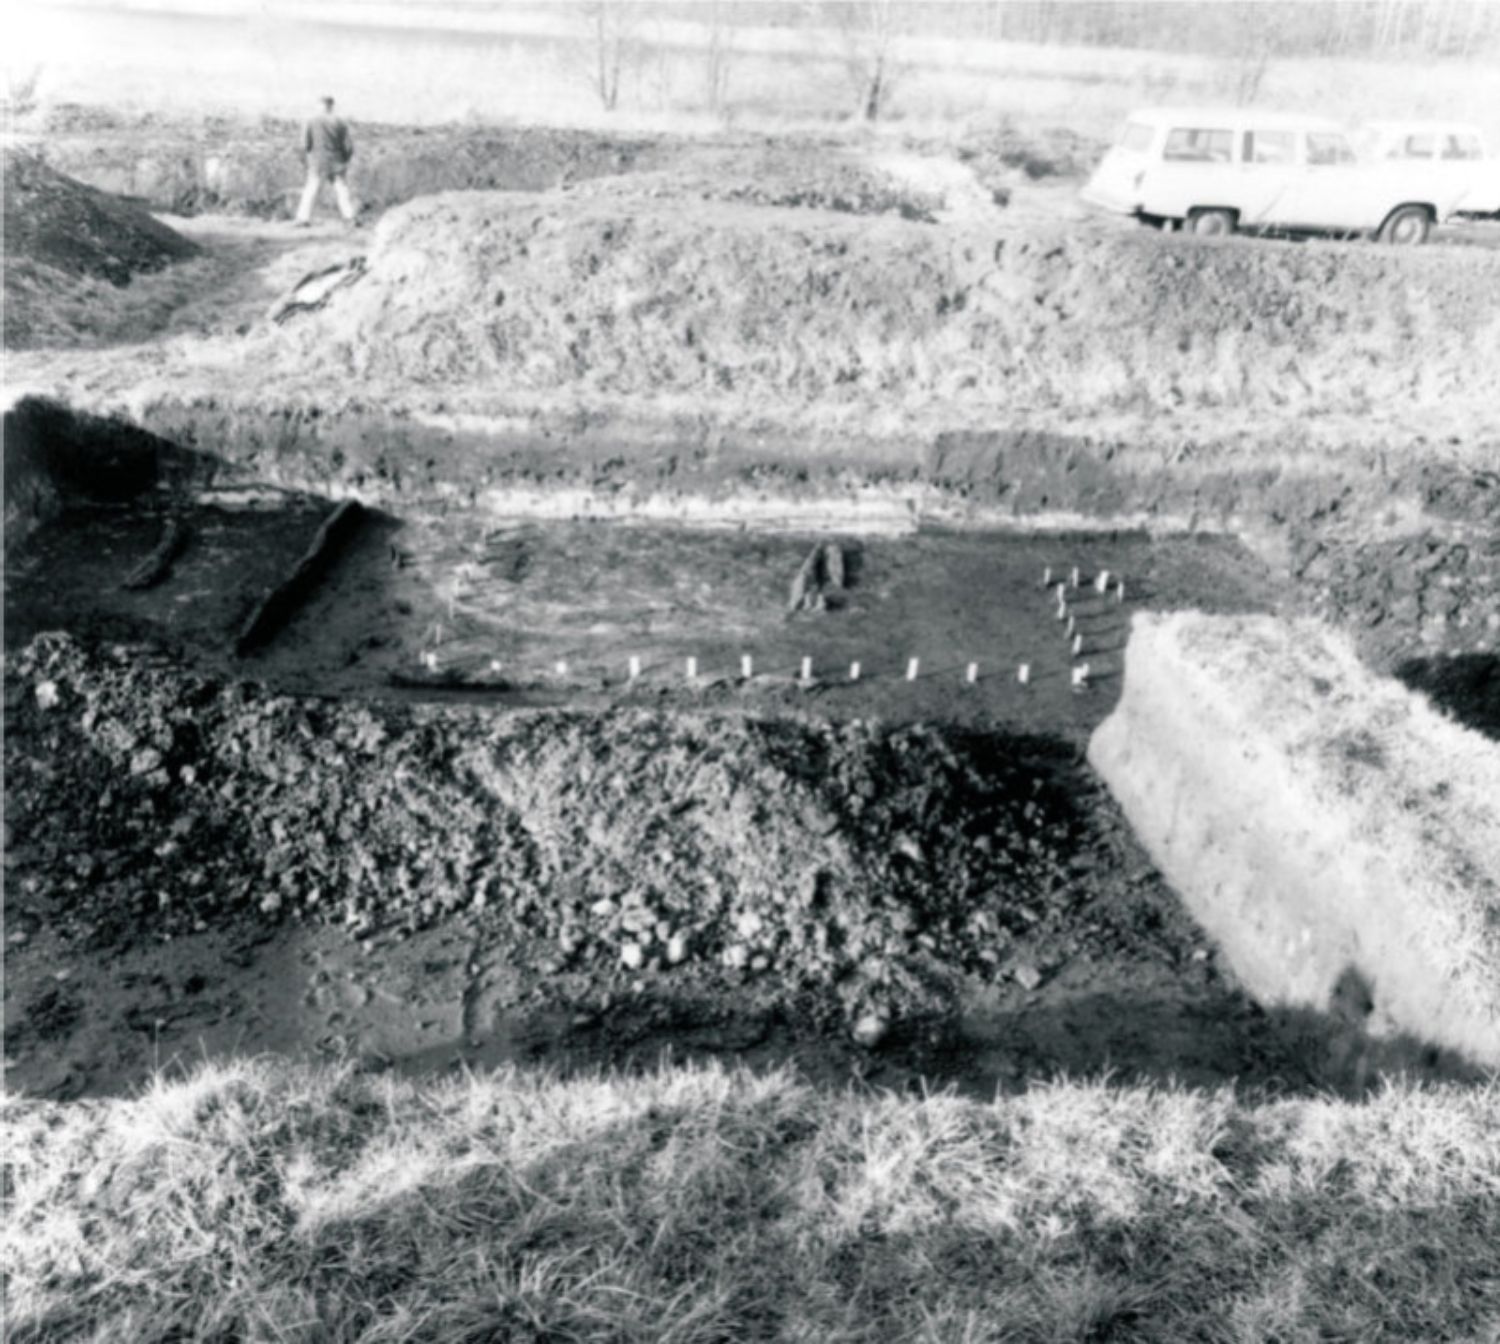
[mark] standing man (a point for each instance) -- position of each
(327, 145)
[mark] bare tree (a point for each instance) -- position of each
(718, 54)
(614, 46)
(868, 30)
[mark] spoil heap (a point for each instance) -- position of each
(863, 864)
(62, 239)
(625, 295)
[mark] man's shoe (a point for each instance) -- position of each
(302, 224)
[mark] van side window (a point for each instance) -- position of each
(1325, 147)
(1136, 137)
(1415, 147)
(1268, 147)
(1462, 147)
(1194, 145)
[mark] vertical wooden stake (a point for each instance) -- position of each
(635, 667)
(747, 666)
(1023, 674)
(912, 667)
(807, 669)
(854, 671)
(692, 669)
(971, 673)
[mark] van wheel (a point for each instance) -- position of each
(1408, 226)
(1211, 223)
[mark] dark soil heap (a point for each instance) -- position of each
(66, 245)
(869, 862)
(53, 220)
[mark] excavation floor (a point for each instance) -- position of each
(462, 608)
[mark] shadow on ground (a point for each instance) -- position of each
(1465, 687)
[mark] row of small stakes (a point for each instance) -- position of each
(1078, 674)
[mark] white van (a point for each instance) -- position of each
(1453, 152)
(1216, 170)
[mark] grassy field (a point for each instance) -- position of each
(537, 64)
(263, 1201)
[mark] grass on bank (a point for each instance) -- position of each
(263, 1201)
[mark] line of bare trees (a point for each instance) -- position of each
(1378, 28)
(623, 35)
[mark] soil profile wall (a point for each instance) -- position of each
(1337, 836)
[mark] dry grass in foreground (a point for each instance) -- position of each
(262, 1201)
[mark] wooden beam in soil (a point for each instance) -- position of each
(278, 606)
(156, 566)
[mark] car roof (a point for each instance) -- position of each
(1264, 119)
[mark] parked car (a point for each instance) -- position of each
(1215, 170)
(1454, 152)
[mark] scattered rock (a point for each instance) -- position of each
(1027, 976)
(870, 1029)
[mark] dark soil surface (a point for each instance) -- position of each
(550, 614)
(56, 221)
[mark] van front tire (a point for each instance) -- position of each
(1211, 223)
(1406, 226)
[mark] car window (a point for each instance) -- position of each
(1462, 147)
(1268, 147)
(1325, 147)
(1136, 137)
(1198, 145)
(1416, 147)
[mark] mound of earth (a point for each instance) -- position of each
(634, 296)
(56, 221)
(63, 242)
(865, 863)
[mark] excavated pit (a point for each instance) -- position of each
(433, 819)
(388, 833)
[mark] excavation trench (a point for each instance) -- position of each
(466, 803)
